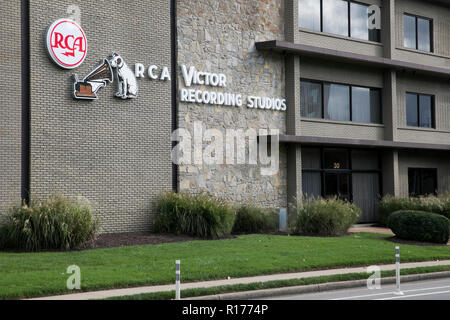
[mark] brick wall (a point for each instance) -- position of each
(115, 153)
(10, 104)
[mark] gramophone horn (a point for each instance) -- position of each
(102, 72)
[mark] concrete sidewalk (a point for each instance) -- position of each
(356, 229)
(207, 284)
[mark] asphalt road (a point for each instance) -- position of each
(438, 289)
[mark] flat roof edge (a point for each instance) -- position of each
(307, 50)
(310, 140)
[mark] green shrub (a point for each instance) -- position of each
(445, 199)
(326, 217)
(253, 219)
(198, 215)
(56, 223)
(419, 226)
(436, 204)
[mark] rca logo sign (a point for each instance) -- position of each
(66, 43)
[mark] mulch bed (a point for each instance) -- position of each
(113, 240)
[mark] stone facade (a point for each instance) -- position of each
(219, 36)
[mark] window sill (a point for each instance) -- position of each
(423, 129)
(352, 123)
(331, 35)
(432, 54)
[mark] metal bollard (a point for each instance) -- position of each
(282, 223)
(177, 280)
(397, 271)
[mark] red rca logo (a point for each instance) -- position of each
(69, 42)
(66, 43)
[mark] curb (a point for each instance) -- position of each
(316, 287)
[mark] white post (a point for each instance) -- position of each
(177, 280)
(397, 270)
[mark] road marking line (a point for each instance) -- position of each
(414, 295)
(363, 296)
(390, 292)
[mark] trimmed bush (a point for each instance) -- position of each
(198, 215)
(253, 219)
(419, 226)
(325, 217)
(436, 204)
(56, 223)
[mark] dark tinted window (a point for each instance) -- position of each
(417, 33)
(344, 186)
(332, 101)
(422, 181)
(330, 184)
(424, 34)
(412, 115)
(359, 18)
(426, 111)
(335, 17)
(359, 23)
(409, 23)
(311, 158)
(309, 14)
(337, 184)
(419, 110)
(366, 105)
(336, 102)
(335, 159)
(311, 99)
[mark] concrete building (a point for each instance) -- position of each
(396, 139)
(365, 84)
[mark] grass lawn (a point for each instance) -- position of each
(37, 274)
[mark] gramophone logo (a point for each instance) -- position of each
(102, 74)
(96, 79)
(66, 43)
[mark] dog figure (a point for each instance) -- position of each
(126, 81)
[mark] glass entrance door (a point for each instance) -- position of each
(337, 174)
(337, 184)
(352, 175)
